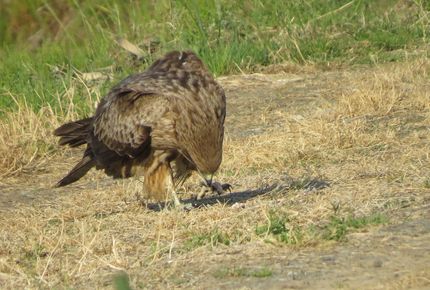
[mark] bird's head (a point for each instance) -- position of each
(178, 60)
(208, 161)
(204, 151)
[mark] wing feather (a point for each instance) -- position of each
(124, 120)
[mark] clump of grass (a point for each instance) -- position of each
(122, 282)
(26, 138)
(278, 226)
(339, 227)
(263, 272)
(212, 238)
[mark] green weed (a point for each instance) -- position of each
(122, 282)
(278, 227)
(213, 238)
(338, 227)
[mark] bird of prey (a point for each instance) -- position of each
(163, 123)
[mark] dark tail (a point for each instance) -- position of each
(75, 134)
(79, 170)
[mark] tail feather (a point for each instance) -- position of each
(74, 133)
(79, 170)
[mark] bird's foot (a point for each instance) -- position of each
(176, 204)
(213, 187)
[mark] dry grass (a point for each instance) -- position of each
(366, 132)
(26, 139)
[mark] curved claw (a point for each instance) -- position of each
(227, 186)
(220, 188)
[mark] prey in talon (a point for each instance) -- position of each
(210, 187)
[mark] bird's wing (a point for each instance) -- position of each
(124, 119)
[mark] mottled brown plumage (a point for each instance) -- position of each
(162, 123)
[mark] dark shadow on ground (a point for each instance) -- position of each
(229, 199)
(306, 183)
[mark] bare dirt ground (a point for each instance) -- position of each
(304, 146)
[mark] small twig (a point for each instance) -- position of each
(130, 47)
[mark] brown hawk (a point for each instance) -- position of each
(162, 123)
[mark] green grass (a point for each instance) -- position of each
(278, 226)
(230, 36)
(212, 238)
(338, 227)
(122, 282)
(281, 229)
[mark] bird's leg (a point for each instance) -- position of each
(210, 187)
(175, 198)
(172, 190)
